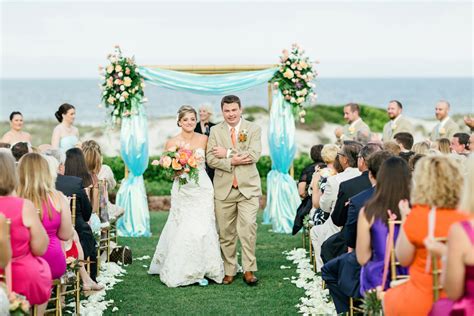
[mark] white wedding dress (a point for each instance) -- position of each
(189, 249)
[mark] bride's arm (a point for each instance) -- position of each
(214, 162)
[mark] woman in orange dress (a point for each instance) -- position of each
(437, 186)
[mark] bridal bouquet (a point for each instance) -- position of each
(294, 78)
(122, 86)
(179, 163)
(18, 304)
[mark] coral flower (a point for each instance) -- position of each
(192, 162)
(176, 165)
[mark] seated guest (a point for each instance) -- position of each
(93, 158)
(421, 148)
(372, 226)
(70, 183)
(341, 274)
(437, 187)
(19, 149)
(335, 245)
(413, 160)
(15, 134)
(458, 272)
(307, 173)
(37, 185)
(460, 144)
(397, 123)
(392, 147)
(405, 142)
(347, 157)
(29, 241)
(443, 145)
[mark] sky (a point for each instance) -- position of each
(70, 39)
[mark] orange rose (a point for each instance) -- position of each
(183, 157)
(176, 165)
(192, 162)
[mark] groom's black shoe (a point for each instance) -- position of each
(228, 279)
(250, 278)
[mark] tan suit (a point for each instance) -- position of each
(236, 208)
(447, 131)
(401, 125)
(350, 132)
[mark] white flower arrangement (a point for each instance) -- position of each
(122, 83)
(294, 79)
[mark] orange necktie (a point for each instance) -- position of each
(234, 141)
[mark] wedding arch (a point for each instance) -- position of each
(289, 84)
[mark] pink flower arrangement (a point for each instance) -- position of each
(19, 305)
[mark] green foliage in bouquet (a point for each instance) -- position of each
(122, 86)
(294, 79)
(371, 305)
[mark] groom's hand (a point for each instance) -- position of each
(241, 159)
(219, 152)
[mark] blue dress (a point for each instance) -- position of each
(68, 142)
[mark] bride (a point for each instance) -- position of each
(188, 250)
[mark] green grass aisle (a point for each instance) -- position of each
(142, 294)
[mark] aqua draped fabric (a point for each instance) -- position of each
(132, 195)
(282, 194)
(206, 84)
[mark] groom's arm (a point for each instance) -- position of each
(254, 149)
(223, 164)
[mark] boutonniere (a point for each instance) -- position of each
(351, 130)
(243, 135)
(394, 126)
(442, 130)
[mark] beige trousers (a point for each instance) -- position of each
(237, 216)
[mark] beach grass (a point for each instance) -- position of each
(142, 294)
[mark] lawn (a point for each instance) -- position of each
(142, 294)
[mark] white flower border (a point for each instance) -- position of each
(316, 300)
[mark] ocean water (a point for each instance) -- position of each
(40, 98)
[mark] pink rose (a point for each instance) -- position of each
(166, 163)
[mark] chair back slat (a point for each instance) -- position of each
(393, 260)
(73, 209)
(6, 277)
(436, 271)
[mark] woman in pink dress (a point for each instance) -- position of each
(31, 273)
(37, 185)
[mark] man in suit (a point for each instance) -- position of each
(460, 144)
(233, 149)
(397, 123)
(355, 126)
(342, 274)
(335, 245)
(446, 127)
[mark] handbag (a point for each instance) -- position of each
(121, 254)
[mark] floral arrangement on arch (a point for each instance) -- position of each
(294, 79)
(122, 86)
(19, 305)
(180, 163)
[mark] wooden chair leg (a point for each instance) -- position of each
(77, 293)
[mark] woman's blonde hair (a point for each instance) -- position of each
(437, 182)
(185, 109)
(329, 153)
(36, 183)
(467, 197)
(421, 148)
(8, 174)
(92, 155)
(209, 109)
(444, 145)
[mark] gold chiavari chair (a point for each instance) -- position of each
(396, 279)
(436, 271)
(354, 309)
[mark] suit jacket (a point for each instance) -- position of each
(200, 131)
(355, 204)
(248, 142)
(351, 133)
(70, 185)
(348, 189)
(401, 125)
(447, 131)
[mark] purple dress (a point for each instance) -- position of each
(465, 305)
(55, 254)
(371, 273)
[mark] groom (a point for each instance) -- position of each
(233, 150)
